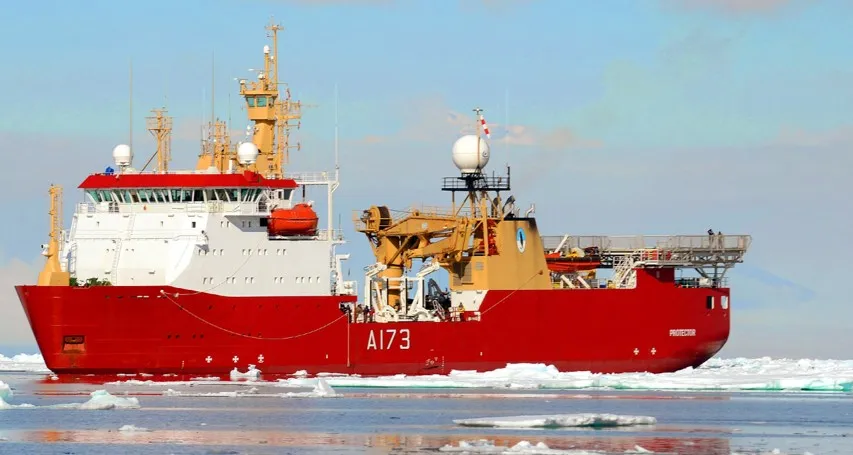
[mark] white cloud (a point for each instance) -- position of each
(731, 6)
(14, 328)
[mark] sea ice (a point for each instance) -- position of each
(132, 429)
(252, 373)
(23, 362)
(558, 420)
(321, 390)
(5, 391)
(101, 400)
(522, 447)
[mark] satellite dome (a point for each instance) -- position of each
(247, 153)
(122, 155)
(467, 156)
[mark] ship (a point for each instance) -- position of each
(228, 267)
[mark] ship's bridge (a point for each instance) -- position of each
(144, 192)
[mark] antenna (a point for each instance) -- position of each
(203, 102)
(212, 86)
(130, 106)
(506, 124)
(337, 164)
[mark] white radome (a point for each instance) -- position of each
(467, 156)
(122, 155)
(247, 153)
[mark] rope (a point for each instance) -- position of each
(244, 335)
(511, 293)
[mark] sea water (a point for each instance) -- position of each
(727, 406)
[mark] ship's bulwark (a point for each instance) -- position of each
(655, 327)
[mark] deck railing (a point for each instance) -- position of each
(640, 242)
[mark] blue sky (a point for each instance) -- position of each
(631, 116)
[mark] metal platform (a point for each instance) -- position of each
(664, 250)
(477, 182)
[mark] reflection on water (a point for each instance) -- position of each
(387, 441)
(385, 421)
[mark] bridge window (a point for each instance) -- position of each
(262, 101)
(221, 195)
(250, 100)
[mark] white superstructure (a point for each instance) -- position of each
(207, 238)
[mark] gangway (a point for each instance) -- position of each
(710, 255)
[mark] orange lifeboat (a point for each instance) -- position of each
(299, 220)
(562, 264)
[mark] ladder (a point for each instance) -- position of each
(129, 231)
(623, 272)
(114, 270)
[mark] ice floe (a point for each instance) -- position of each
(321, 389)
(5, 391)
(251, 373)
(558, 420)
(23, 362)
(738, 374)
(763, 374)
(133, 429)
(101, 400)
(524, 447)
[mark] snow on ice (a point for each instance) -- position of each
(525, 447)
(557, 421)
(320, 390)
(132, 429)
(101, 400)
(23, 362)
(764, 374)
(739, 374)
(251, 374)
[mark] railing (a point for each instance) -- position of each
(226, 208)
(660, 242)
(337, 234)
(476, 182)
(696, 282)
(312, 178)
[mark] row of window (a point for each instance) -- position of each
(724, 302)
(251, 280)
(154, 196)
(260, 101)
(246, 252)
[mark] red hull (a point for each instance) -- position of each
(137, 330)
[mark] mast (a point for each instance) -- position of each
(160, 126)
(130, 106)
(52, 274)
(271, 113)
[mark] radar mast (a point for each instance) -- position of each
(273, 115)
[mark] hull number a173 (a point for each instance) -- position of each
(387, 339)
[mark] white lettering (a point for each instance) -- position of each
(682, 332)
(403, 342)
(404, 334)
(371, 341)
(393, 333)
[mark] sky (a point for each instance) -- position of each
(617, 117)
